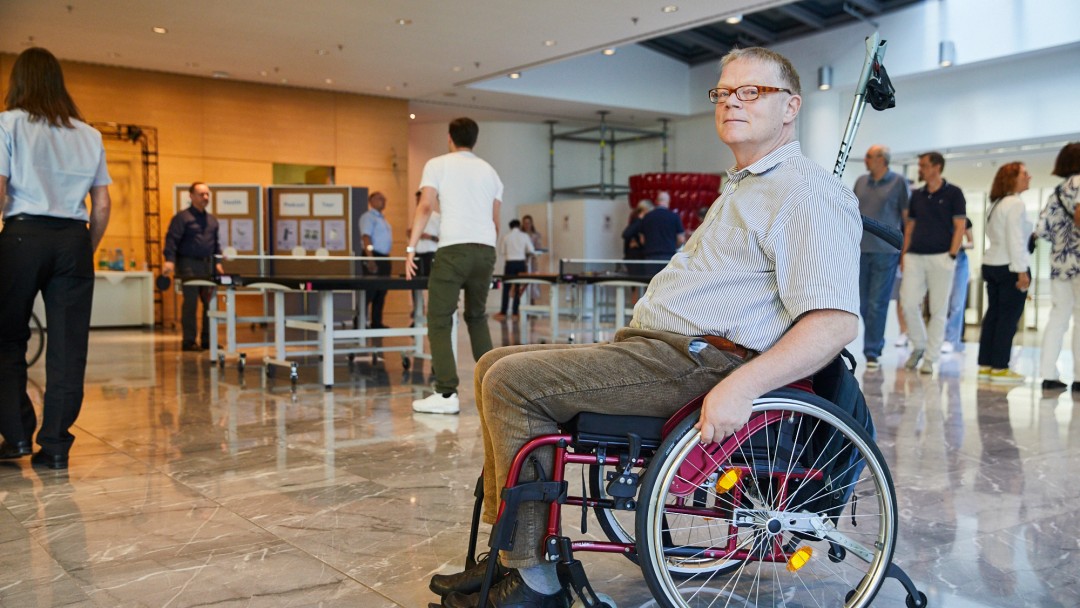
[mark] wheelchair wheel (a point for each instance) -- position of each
(618, 526)
(761, 498)
(36, 345)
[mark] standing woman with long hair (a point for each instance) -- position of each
(49, 161)
(1058, 223)
(1005, 270)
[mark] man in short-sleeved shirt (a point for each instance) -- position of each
(469, 194)
(377, 237)
(662, 229)
(883, 196)
(773, 268)
(932, 239)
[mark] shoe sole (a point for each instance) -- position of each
(431, 411)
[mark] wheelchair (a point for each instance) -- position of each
(795, 509)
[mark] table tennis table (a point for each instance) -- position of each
(578, 275)
(277, 276)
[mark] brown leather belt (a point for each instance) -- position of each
(730, 347)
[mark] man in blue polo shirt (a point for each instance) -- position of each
(663, 232)
(932, 239)
(377, 238)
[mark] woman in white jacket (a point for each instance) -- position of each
(1005, 270)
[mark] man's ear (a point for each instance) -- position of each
(794, 103)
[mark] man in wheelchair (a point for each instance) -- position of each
(764, 293)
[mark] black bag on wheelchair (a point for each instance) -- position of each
(821, 448)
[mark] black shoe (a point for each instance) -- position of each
(468, 581)
(1076, 387)
(53, 461)
(1053, 385)
(510, 592)
(15, 449)
(191, 347)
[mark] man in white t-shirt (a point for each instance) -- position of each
(468, 193)
(515, 247)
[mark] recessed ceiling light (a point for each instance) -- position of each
(456, 68)
(160, 30)
(515, 75)
(671, 8)
(404, 22)
(733, 20)
(329, 81)
(284, 81)
(550, 43)
(322, 52)
(412, 116)
(608, 52)
(389, 88)
(263, 73)
(220, 74)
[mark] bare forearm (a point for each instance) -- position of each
(99, 214)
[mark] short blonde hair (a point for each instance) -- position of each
(788, 75)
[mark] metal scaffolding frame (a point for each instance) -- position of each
(605, 136)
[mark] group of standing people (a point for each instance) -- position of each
(933, 264)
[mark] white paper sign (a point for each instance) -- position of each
(334, 235)
(231, 202)
(329, 204)
(223, 233)
(294, 204)
(243, 234)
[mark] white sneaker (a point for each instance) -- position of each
(437, 404)
(901, 341)
(947, 348)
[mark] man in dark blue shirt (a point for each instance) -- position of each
(190, 246)
(662, 231)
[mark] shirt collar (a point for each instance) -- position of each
(888, 176)
(376, 212)
(770, 160)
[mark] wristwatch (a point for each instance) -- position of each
(370, 248)
(410, 249)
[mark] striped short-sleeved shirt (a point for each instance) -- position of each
(782, 240)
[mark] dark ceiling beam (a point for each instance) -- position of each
(802, 15)
(872, 7)
(755, 31)
(704, 41)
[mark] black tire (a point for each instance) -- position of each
(755, 483)
(36, 346)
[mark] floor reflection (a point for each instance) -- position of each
(193, 484)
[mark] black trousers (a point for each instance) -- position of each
(53, 257)
(1005, 306)
(511, 269)
(195, 268)
(377, 297)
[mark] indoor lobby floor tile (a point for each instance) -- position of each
(193, 485)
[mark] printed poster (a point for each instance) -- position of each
(242, 235)
(287, 235)
(223, 233)
(334, 236)
(311, 234)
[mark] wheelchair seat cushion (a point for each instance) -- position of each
(590, 429)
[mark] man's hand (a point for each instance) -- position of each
(725, 410)
(168, 268)
(371, 266)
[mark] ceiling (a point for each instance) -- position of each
(426, 51)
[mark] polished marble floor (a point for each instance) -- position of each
(197, 486)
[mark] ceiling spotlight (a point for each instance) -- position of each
(733, 20)
(329, 81)
(284, 81)
(160, 30)
(412, 116)
(824, 78)
(389, 88)
(550, 43)
(322, 52)
(219, 74)
(608, 52)
(263, 73)
(515, 75)
(456, 68)
(671, 8)
(946, 53)
(404, 22)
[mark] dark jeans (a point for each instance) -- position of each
(876, 274)
(512, 269)
(1005, 306)
(377, 297)
(54, 257)
(195, 268)
(467, 266)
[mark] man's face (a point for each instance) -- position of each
(200, 197)
(378, 203)
(928, 170)
(875, 160)
(757, 122)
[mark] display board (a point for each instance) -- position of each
(309, 218)
(239, 211)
